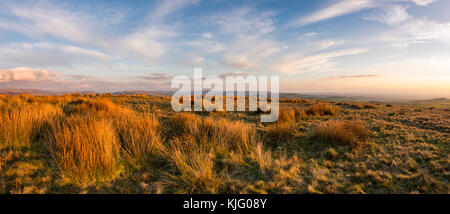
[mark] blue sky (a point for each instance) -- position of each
(330, 46)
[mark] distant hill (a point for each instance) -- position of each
(30, 91)
(442, 102)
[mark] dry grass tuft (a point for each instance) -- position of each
(286, 116)
(341, 133)
(278, 134)
(21, 124)
(321, 109)
(101, 107)
(140, 137)
(195, 166)
(219, 133)
(226, 135)
(300, 114)
(183, 124)
(262, 157)
(85, 149)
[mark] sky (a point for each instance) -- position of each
(399, 47)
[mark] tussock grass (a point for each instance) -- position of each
(321, 109)
(339, 132)
(140, 137)
(195, 166)
(286, 116)
(300, 114)
(21, 123)
(220, 133)
(100, 107)
(279, 134)
(226, 135)
(262, 157)
(183, 123)
(85, 149)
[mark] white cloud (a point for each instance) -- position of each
(389, 15)
(47, 19)
(344, 7)
(423, 2)
(207, 35)
(423, 30)
(46, 54)
(295, 63)
(250, 52)
(142, 44)
(417, 31)
(340, 8)
(148, 42)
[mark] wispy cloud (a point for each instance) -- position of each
(168, 7)
(46, 19)
(162, 77)
(344, 7)
(334, 10)
(296, 64)
(44, 54)
(423, 2)
(246, 21)
(389, 15)
(352, 76)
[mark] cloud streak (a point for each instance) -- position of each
(352, 76)
(344, 7)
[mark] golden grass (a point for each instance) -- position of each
(98, 145)
(227, 135)
(183, 123)
(140, 137)
(286, 116)
(195, 166)
(100, 107)
(278, 134)
(85, 149)
(262, 157)
(300, 114)
(340, 132)
(21, 123)
(219, 133)
(321, 109)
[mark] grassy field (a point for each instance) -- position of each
(137, 144)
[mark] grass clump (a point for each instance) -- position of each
(300, 114)
(227, 135)
(140, 137)
(20, 125)
(278, 134)
(100, 107)
(345, 133)
(321, 109)
(194, 167)
(183, 124)
(286, 116)
(85, 149)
